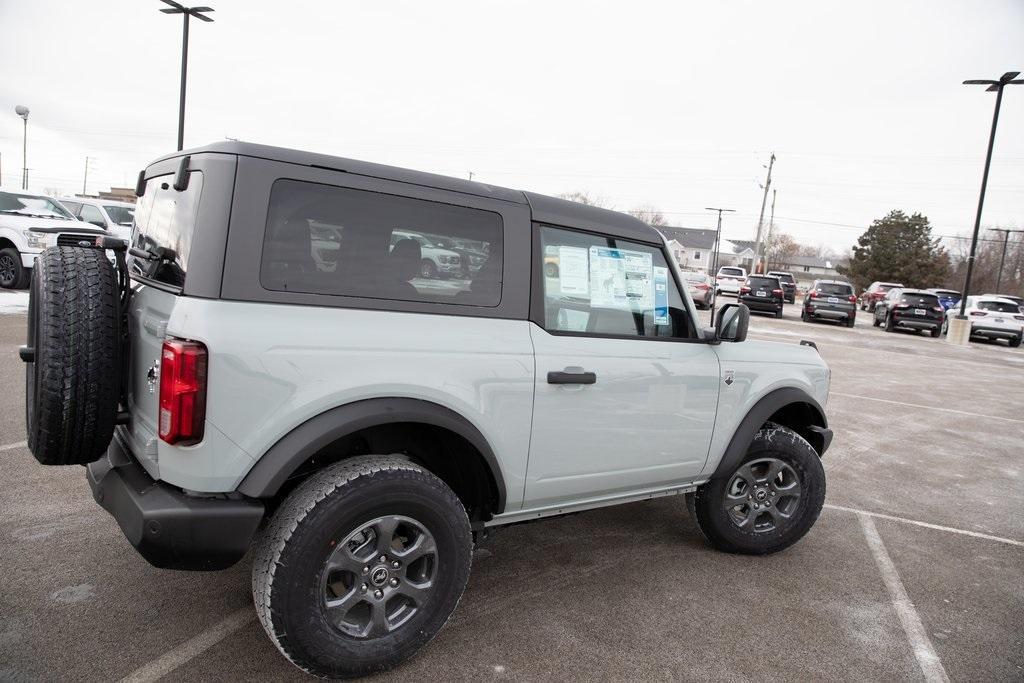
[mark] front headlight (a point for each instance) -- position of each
(34, 240)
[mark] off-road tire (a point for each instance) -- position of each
(291, 555)
(13, 275)
(73, 383)
(774, 441)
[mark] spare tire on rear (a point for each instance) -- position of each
(73, 373)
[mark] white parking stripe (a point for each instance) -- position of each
(191, 648)
(918, 405)
(926, 525)
(12, 446)
(927, 659)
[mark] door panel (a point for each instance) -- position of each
(646, 420)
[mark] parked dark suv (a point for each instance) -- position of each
(912, 309)
(830, 300)
(788, 284)
(763, 293)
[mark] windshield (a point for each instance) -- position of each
(31, 205)
(998, 306)
(910, 299)
(834, 288)
(122, 215)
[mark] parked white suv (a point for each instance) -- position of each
(991, 317)
(360, 427)
(730, 279)
(30, 223)
(114, 217)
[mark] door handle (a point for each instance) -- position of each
(572, 376)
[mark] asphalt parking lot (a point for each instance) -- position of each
(914, 571)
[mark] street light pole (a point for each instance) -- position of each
(997, 87)
(22, 111)
(1002, 260)
(714, 266)
(186, 12)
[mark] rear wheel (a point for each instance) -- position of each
(778, 313)
(361, 566)
(803, 316)
(850, 321)
(13, 275)
(769, 502)
(889, 324)
(1016, 341)
(935, 332)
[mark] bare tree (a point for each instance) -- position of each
(778, 249)
(649, 215)
(585, 197)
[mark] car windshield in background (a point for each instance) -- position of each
(731, 271)
(834, 289)
(919, 300)
(998, 306)
(763, 283)
(694, 277)
(122, 215)
(947, 293)
(885, 288)
(29, 205)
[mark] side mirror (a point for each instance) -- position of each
(731, 323)
(98, 222)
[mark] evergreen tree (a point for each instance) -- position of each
(898, 248)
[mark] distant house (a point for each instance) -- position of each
(692, 248)
(809, 268)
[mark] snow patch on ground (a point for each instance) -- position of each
(13, 302)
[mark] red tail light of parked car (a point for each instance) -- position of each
(182, 392)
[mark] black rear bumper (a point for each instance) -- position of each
(170, 529)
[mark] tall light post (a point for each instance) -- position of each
(1006, 240)
(22, 111)
(1006, 79)
(714, 266)
(186, 12)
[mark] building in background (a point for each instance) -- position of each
(807, 269)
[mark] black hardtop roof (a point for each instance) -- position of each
(544, 209)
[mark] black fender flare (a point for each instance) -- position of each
(816, 432)
(284, 457)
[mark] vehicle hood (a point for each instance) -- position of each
(8, 220)
(78, 227)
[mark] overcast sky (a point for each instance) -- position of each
(677, 105)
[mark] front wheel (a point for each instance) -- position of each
(769, 502)
(13, 275)
(428, 269)
(361, 566)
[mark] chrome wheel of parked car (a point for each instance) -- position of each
(379, 576)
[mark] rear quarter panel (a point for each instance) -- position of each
(273, 367)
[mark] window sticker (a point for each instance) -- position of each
(621, 278)
(660, 296)
(573, 276)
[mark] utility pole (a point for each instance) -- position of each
(470, 175)
(714, 267)
(85, 179)
(760, 218)
(1006, 239)
(186, 12)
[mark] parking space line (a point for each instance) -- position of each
(926, 525)
(927, 659)
(12, 446)
(191, 648)
(918, 405)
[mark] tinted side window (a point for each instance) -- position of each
(73, 207)
(322, 239)
(90, 214)
(607, 286)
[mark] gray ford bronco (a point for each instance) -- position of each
(276, 366)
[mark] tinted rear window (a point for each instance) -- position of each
(998, 306)
(919, 299)
(730, 271)
(786, 277)
(322, 239)
(763, 282)
(834, 289)
(164, 221)
(884, 288)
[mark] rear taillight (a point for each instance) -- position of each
(813, 295)
(182, 392)
(777, 292)
(703, 287)
(978, 313)
(744, 290)
(852, 299)
(938, 309)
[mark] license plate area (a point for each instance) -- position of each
(833, 300)
(762, 294)
(920, 312)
